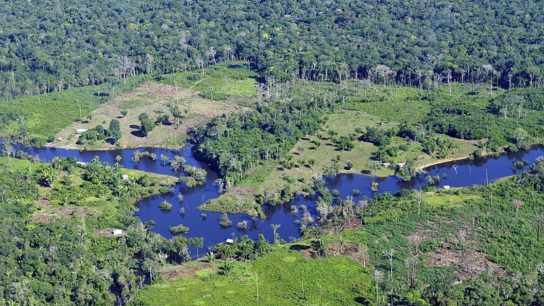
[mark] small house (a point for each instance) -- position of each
(446, 187)
(80, 131)
(125, 177)
(117, 232)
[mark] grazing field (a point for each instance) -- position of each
(154, 99)
(185, 99)
(282, 277)
(36, 119)
(218, 82)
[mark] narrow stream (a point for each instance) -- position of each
(455, 174)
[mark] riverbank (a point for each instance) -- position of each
(187, 210)
(115, 148)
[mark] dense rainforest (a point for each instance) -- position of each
(54, 45)
(277, 102)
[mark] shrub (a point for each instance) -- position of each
(179, 229)
(224, 220)
(166, 206)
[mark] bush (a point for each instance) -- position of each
(166, 206)
(224, 220)
(376, 136)
(243, 225)
(179, 229)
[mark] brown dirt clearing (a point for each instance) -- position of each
(356, 252)
(471, 264)
(175, 272)
(48, 213)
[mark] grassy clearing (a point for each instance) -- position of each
(391, 103)
(219, 82)
(154, 99)
(214, 91)
(201, 95)
(39, 118)
(384, 108)
(279, 278)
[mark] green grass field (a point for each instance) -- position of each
(217, 82)
(279, 278)
(202, 94)
(40, 117)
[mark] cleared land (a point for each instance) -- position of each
(154, 99)
(380, 107)
(282, 277)
(36, 119)
(200, 95)
(219, 82)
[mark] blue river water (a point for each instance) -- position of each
(455, 174)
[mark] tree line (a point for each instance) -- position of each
(45, 46)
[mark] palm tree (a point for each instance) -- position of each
(47, 175)
(275, 230)
(210, 257)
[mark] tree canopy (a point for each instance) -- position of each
(46, 46)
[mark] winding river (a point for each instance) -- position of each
(455, 174)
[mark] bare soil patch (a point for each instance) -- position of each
(241, 190)
(175, 272)
(356, 252)
(471, 263)
(351, 224)
(48, 213)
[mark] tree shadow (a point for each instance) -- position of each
(361, 300)
(299, 247)
(137, 133)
